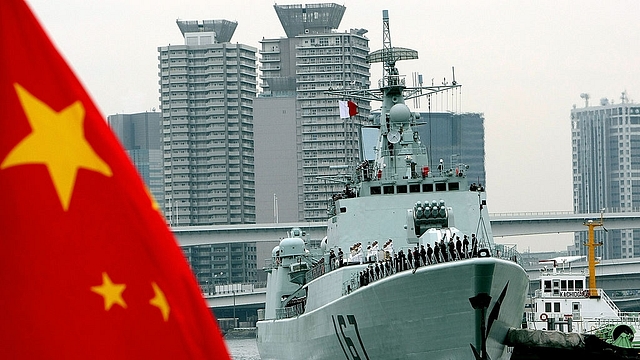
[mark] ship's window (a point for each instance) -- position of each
(579, 285)
(375, 190)
(556, 307)
(343, 209)
(547, 307)
(556, 287)
(414, 188)
(570, 285)
(454, 186)
(563, 285)
(388, 189)
(547, 286)
(441, 187)
(427, 187)
(402, 189)
(576, 306)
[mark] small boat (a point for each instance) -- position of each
(569, 301)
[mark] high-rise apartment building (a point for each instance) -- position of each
(606, 171)
(223, 264)
(207, 88)
(302, 143)
(140, 135)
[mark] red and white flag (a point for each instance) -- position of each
(88, 267)
(347, 109)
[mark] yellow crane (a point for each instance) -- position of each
(591, 244)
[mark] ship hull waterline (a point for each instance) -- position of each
(421, 315)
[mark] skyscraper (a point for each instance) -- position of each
(140, 135)
(455, 138)
(207, 88)
(303, 144)
(606, 170)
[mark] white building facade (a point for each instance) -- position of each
(606, 170)
(298, 70)
(207, 88)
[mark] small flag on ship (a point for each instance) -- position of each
(347, 108)
(88, 267)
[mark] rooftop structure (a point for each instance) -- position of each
(300, 19)
(223, 29)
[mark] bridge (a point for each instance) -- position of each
(502, 225)
(613, 276)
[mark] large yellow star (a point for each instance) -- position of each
(57, 140)
(112, 293)
(160, 301)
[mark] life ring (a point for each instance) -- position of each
(544, 317)
(483, 253)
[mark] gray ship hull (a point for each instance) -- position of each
(421, 315)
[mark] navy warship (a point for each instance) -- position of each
(359, 296)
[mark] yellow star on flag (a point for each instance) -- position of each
(160, 301)
(112, 293)
(57, 140)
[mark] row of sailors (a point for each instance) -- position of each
(412, 260)
(358, 256)
(440, 252)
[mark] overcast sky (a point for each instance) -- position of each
(523, 64)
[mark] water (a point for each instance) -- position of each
(243, 349)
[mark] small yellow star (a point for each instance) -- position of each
(112, 293)
(160, 301)
(57, 140)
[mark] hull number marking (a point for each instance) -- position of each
(345, 331)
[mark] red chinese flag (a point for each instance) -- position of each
(88, 267)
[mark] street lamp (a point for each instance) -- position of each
(234, 308)
(215, 280)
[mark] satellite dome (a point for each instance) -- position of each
(399, 113)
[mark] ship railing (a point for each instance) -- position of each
(352, 284)
(507, 252)
(316, 271)
(392, 80)
(593, 325)
(354, 281)
(290, 311)
(608, 300)
(630, 318)
(422, 150)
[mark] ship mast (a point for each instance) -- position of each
(398, 143)
(591, 244)
(388, 56)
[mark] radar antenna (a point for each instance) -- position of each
(392, 83)
(389, 55)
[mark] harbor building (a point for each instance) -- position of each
(302, 144)
(223, 264)
(207, 88)
(140, 136)
(606, 171)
